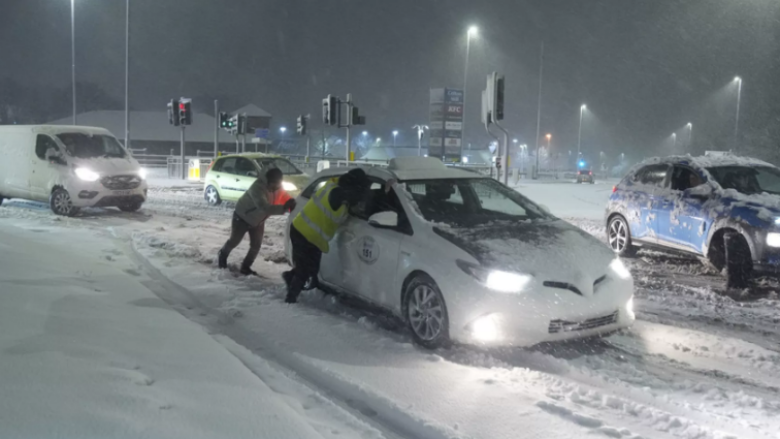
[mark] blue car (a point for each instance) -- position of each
(723, 208)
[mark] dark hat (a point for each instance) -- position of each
(355, 178)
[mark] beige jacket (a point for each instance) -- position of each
(256, 204)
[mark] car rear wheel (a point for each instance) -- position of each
(739, 263)
(619, 236)
(61, 204)
(212, 196)
(426, 313)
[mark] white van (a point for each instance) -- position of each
(69, 167)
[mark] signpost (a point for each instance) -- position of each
(446, 124)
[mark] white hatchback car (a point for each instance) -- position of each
(461, 257)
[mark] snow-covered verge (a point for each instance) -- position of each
(87, 350)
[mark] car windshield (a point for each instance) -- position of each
(748, 180)
(283, 165)
(89, 146)
(468, 202)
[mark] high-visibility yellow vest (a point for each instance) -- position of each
(318, 221)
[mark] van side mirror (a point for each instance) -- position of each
(57, 160)
(384, 220)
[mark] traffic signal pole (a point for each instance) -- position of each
(216, 128)
(183, 158)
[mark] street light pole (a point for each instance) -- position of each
(690, 134)
(736, 121)
(539, 106)
(73, 54)
(127, 74)
(471, 32)
(579, 132)
(549, 152)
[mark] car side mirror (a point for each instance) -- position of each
(251, 174)
(384, 219)
(701, 192)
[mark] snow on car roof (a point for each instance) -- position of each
(708, 161)
(409, 168)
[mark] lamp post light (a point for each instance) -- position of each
(579, 132)
(395, 134)
(738, 80)
(378, 140)
(674, 141)
(550, 160)
(471, 32)
(690, 134)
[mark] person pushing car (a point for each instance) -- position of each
(252, 209)
(316, 224)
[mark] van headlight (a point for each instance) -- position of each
(286, 185)
(619, 268)
(86, 174)
(143, 173)
(501, 281)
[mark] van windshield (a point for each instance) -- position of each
(89, 146)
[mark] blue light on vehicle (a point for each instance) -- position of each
(582, 163)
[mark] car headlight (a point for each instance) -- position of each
(620, 269)
(773, 239)
(87, 174)
(143, 173)
(502, 281)
(286, 185)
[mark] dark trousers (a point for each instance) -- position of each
(239, 228)
(306, 263)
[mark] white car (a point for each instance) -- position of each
(461, 257)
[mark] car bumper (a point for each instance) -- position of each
(94, 194)
(542, 314)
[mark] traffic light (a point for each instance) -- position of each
(232, 124)
(355, 118)
(224, 120)
(172, 112)
(330, 110)
(185, 111)
(301, 125)
(499, 104)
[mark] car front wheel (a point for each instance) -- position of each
(619, 236)
(212, 196)
(61, 204)
(426, 313)
(739, 263)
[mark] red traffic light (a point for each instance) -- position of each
(182, 107)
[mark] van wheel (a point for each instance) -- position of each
(739, 263)
(426, 313)
(130, 206)
(61, 204)
(212, 196)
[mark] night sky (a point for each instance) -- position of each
(644, 67)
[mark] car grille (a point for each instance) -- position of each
(121, 182)
(570, 287)
(557, 326)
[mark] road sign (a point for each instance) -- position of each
(262, 133)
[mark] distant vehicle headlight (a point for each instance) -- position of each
(620, 269)
(87, 174)
(143, 173)
(286, 185)
(773, 239)
(501, 281)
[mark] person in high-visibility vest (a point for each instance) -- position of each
(314, 226)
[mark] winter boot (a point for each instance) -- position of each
(287, 276)
(222, 257)
(246, 271)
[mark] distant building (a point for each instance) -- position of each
(151, 131)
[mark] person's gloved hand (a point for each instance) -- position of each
(290, 204)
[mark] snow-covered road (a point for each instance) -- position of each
(697, 364)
